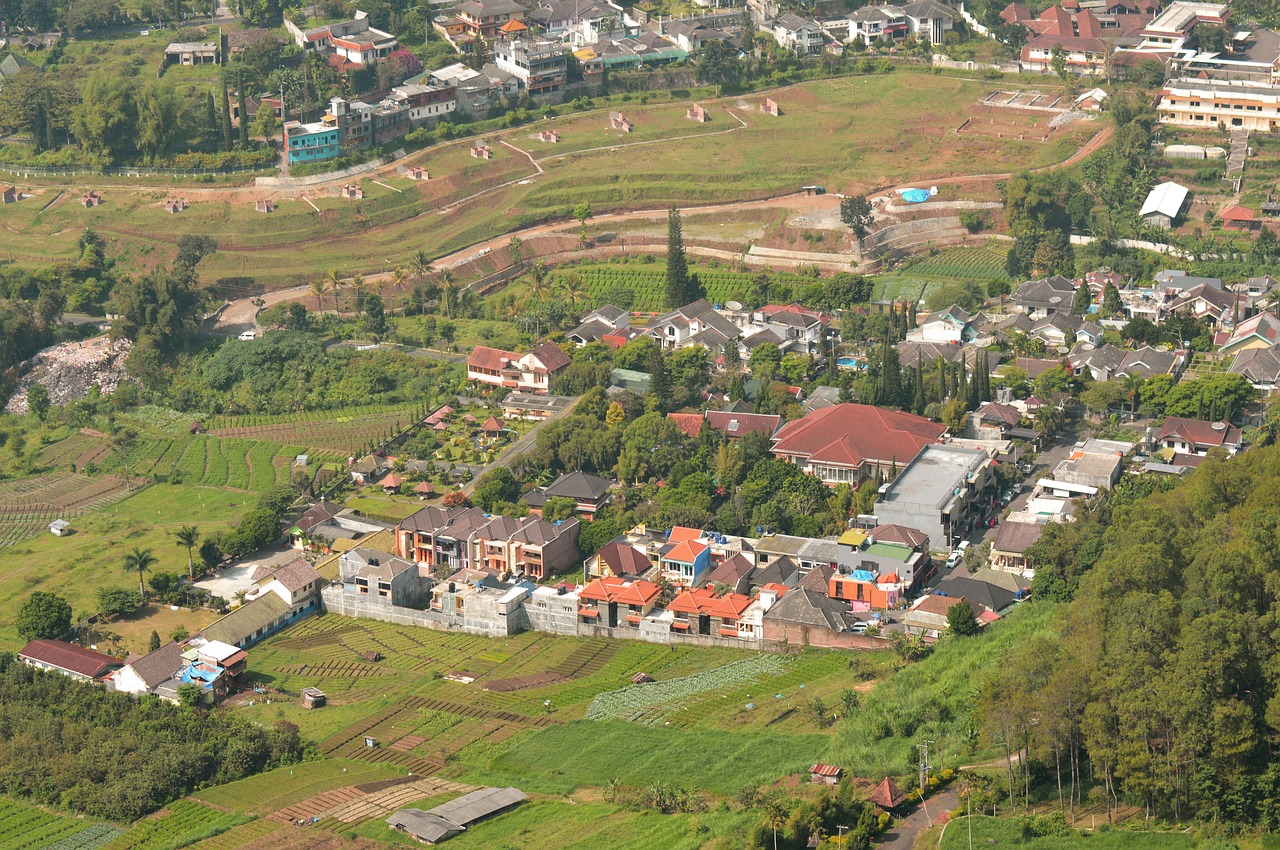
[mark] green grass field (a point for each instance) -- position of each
(590, 753)
(276, 789)
(76, 566)
(1004, 833)
(851, 135)
(560, 825)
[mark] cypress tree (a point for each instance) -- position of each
(244, 117)
(211, 114)
(677, 266)
(942, 380)
(225, 118)
(919, 400)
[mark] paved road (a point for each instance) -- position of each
(520, 446)
(904, 832)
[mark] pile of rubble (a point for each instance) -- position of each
(69, 370)
(1064, 118)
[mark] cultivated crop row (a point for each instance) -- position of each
(19, 824)
(182, 822)
(965, 263)
(648, 283)
(650, 703)
(89, 838)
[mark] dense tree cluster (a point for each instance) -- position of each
(1165, 683)
(288, 371)
(63, 743)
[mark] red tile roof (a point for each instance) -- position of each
(690, 423)
(1199, 432)
(850, 434)
(888, 795)
(552, 357)
(1235, 212)
(623, 559)
(738, 424)
(826, 770)
(698, 600)
(490, 358)
(686, 552)
(68, 657)
(909, 537)
(614, 589)
(680, 533)
(491, 424)
(731, 605)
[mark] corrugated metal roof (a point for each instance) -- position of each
(477, 805)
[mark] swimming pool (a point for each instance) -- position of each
(848, 363)
(915, 196)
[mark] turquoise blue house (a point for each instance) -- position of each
(311, 142)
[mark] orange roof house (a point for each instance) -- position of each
(1236, 217)
(612, 601)
(696, 601)
(680, 533)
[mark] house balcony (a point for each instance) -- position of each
(590, 613)
(729, 631)
(634, 619)
(681, 624)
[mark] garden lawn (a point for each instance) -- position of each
(1004, 833)
(277, 789)
(591, 753)
(559, 825)
(851, 135)
(76, 566)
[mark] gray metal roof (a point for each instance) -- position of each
(423, 825)
(477, 805)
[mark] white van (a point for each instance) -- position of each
(248, 336)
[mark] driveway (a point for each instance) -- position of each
(520, 446)
(902, 835)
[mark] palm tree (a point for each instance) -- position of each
(187, 536)
(448, 288)
(332, 280)
(398, 276)
(140, 560)
(357, 283)
(573, 290)
(539, 289)
(1133, 386)
(316, 288)
(420, 264)
(775, 815)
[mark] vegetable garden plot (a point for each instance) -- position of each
(647, 283)
(237, 837)
(23, 826)
(963, 263)
(89, 838)
(651, 703)
(180, 821)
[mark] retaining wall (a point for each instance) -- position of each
(316, 179)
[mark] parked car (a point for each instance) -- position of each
(1017, 488)
(1028, 468)
(1006, 497)
(858, 628)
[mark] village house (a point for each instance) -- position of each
(590, 493)
(381, 576)
(924, 19)
(283, 596)
(78, 663)
(847, 443)
(948, 327)
(484, 18)
(1009, 548)
(530, 547)
(1164, 205)
(804, 617)
(1197, 437)
(600, 324)
(799, 35)
(531, 372)
(892, 554)
(436, 537)
(145, 674)
(693, 324)
(686, 558)
(618, 558)
(1038, 298)
(192, 53)
(1260, 331)
(350, 43)
(927, 616)
(311, 142)
(1261, 366)
(613, 602)
(542, 66)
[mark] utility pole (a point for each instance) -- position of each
(924, 775)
